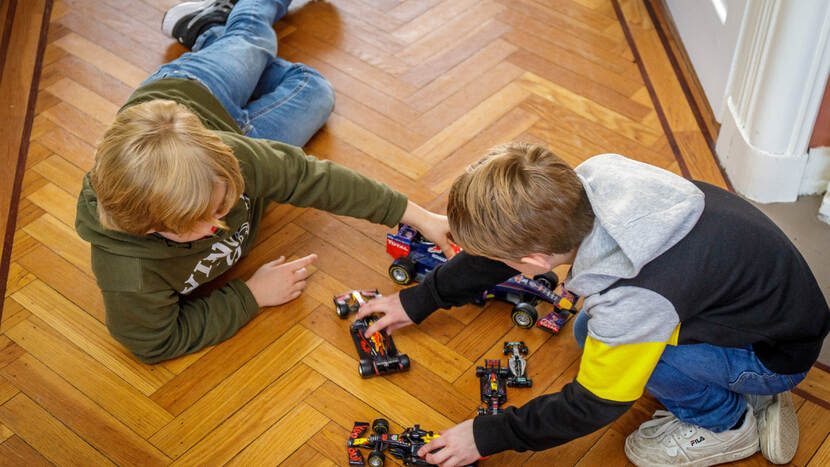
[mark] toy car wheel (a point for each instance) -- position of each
(403, 360)
(342, 311)
(479, 371)
(366, 369)
(380, 426)
(375, 459)
(402, 270)
(524, 315)
(548, 279)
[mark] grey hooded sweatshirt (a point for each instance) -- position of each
(668, 262)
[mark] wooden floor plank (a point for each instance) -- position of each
(47, 435)
(55, 201)
(235, 391)
(283, 438)
(307, 456)
(394, 402)
(15, 452)
(80, 414)
(89, 334)
(438, 64)
(237, 432)
(189, 386)
(94, 380)
(60, 275)
(814, 428)
(102, 59)
(62, 174)
(449, 33)
(49, 230)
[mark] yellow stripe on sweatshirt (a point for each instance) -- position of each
(620, 373)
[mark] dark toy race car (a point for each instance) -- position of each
(350, 302)
(378, 354)
(414, 257)
(404, 446)
(493, 393)
(517, 365)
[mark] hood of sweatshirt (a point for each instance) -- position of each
(640, 212)
(153, 246)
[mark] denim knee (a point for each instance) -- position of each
(580, 328)
(321, 89)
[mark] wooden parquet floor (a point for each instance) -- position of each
(423, 88)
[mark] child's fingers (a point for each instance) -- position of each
(376, 326)
(298, 286)
(277, 261)
(446, 248)
(367, 309)
(304, 261)
(301, 273)
(439, 442)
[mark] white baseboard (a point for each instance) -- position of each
(757, 174)
(824, 209)
(816, 172)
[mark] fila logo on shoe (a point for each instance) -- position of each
(697, 441)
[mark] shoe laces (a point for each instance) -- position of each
(663, 425)
(222, 6)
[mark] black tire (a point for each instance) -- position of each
(380, 426)
(402, 271)
(403, 359)
(342, 311)
(524, 315)
(479, 371)
(366, 369)
(548, 279)
(375, 459)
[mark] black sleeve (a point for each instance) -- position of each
(546, 421)
(456, 282)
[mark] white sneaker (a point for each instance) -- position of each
(665, 440)
(778, 428)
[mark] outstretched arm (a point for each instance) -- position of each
(456, 282)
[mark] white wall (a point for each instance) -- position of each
(709, 30)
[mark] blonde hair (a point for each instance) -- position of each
(518, 200)
(156, 169)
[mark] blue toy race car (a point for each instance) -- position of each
(414, 257)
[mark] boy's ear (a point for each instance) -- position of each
(538, 259)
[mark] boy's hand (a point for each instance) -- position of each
(394, 316)
(279, 282)
(457, 444)
(434, 227)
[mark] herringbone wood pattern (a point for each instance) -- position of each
(423, 88)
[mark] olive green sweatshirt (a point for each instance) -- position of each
(147, 281)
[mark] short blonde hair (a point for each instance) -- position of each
(518, 200)
(156, 169)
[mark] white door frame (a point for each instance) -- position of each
(775, 88)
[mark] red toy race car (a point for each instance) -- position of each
(378, 354)
(493, 393)
(404, 446)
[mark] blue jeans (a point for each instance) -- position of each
(703, 384)
(266, 95)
